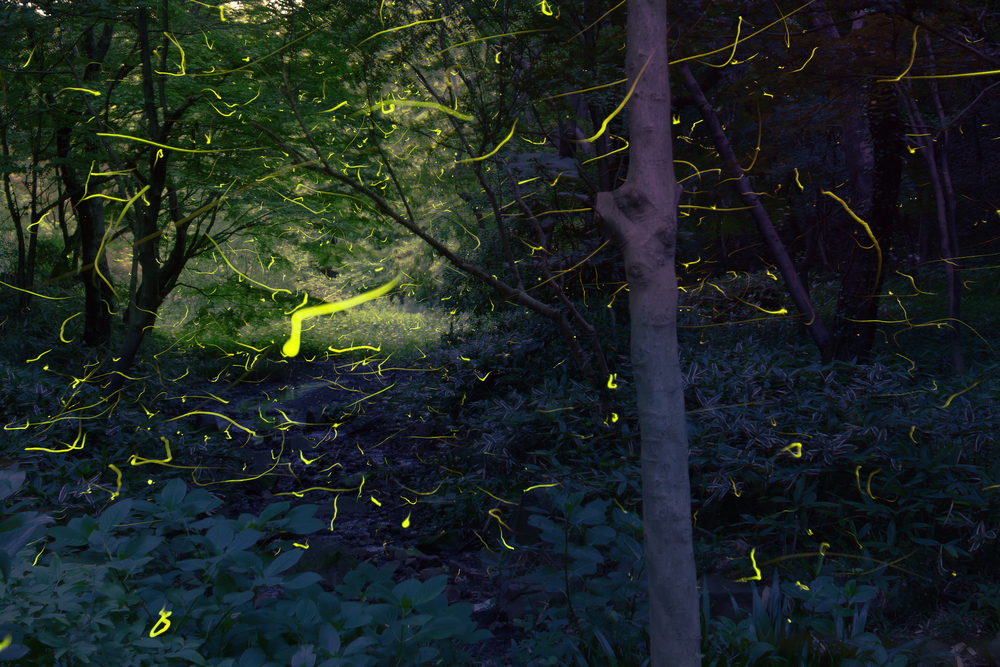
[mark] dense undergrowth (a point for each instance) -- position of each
(852, 495)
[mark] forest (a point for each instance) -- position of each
(499, 333)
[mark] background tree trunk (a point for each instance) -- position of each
(949, 254)
(99, 296)
(809, 315)
(874, 172)
(857, 306)
(641, 217)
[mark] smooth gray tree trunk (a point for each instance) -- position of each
(641, 218)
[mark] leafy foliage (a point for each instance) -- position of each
(155, 582)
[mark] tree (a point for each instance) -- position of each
(944, 194)
(872, 136)
(797, 288)
(149, 140)
(641, 217)
(858, 49)
(28, 128)
(440, 82)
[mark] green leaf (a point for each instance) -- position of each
(271, 511)
(599, 535)
(139, 546)
(223, 584)
(245, 539)
(593, 513)
(246, 561)
(301, 520)
(357, 645)
(15, 532)
(190, 655)
(252, 657)
(10, 482)
(238, 598)
(419, 593)
(114, 515)
(173, 493)
(304, 657)
(220, 536)
(585, 554)
(282, 562)
(300, 580)
(329, 639)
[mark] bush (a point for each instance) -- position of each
(594, 605)
(150, 583)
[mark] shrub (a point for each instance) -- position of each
(150, 583)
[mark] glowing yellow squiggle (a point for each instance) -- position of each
(878, 248)
(291, 346)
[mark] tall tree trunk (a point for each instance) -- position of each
(858, 152)
(13, 208)
(98, 292)
(98, 295)
(858, 303)
(140, 320)
(26, 273)
(855, 322)
(808, 313)
(641, 218)
(147, 298)
(951, 228)
(948, 251)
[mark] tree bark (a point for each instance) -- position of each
(98, 295)
(13, 209)
(861, 284)
(951, 228)
(948, 251)
(26, 269)
(98, 292)
(858, 153)
(856, 319)
(641, 218)
(145, 300)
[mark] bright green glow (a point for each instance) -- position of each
(291, 346)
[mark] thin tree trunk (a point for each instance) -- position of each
(955, 282)
(13, 208)
(641, 218)
(605, 176)
(858, 152)
(809, 238)
(800, 296)
(26, 273)
(98, 295)
(146, 299)
(98, 292)
(140, 320)
(947, 252)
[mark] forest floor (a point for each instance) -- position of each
(379, 442)
(393, 451)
